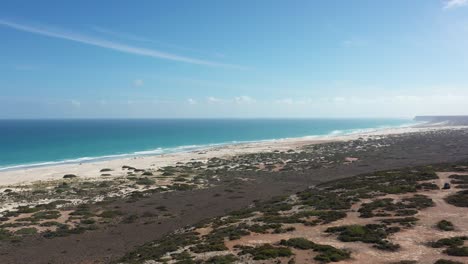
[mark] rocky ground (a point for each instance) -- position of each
(110, 218)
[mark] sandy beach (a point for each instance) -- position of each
(89, 170)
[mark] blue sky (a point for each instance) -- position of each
(334, 58)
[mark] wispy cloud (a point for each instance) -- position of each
(244, 100)
(55, 33)
(213, 100)
(455, 3)
(132, 37)
(138, 83)
(75, 103)
(191, 101)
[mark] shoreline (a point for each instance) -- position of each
(91, 170)
(197, 147)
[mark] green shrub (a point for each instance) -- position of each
(145, 181)
(449, 242)
(266, 251)
(6, 235)
(299, 243)
(209, 247)
(156, 250)
(327, 253)
(226, 259)
(50, 223)
(82, 210)
(371, 233)
(459, 199)
(88, 221)
(386, 245)
(457, 251)
(26, 231)
(46, 215)
(445, 225)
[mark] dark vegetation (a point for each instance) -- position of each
(266, 251)
(445, 225)
(318, 205)
(454, 246)
(459, 199)
(326, 253)
(371, 233)
(387, 206)
(461, 181)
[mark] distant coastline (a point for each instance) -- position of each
(163, 139)
(90, 169)
(460, 120)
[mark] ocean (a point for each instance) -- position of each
(30, 143)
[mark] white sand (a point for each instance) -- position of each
(91, 169)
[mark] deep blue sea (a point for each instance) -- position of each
(42, 142)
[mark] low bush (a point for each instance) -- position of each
(26, 231)
(226, 259)
(144, 181)
(266, 251)
(459, 199)
(371, 233)
(449, 242)
(327, 253)
(457, 251)
(445, 225)
(157, 250)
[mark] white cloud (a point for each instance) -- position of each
(287, 101)
(191, 101)
(47, 31)
(244, 100)
(213, 100)
(290, 101)
(132, 37)
(75, 103)
(138, 82)
(455, 3)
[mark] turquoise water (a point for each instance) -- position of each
(43, 142)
